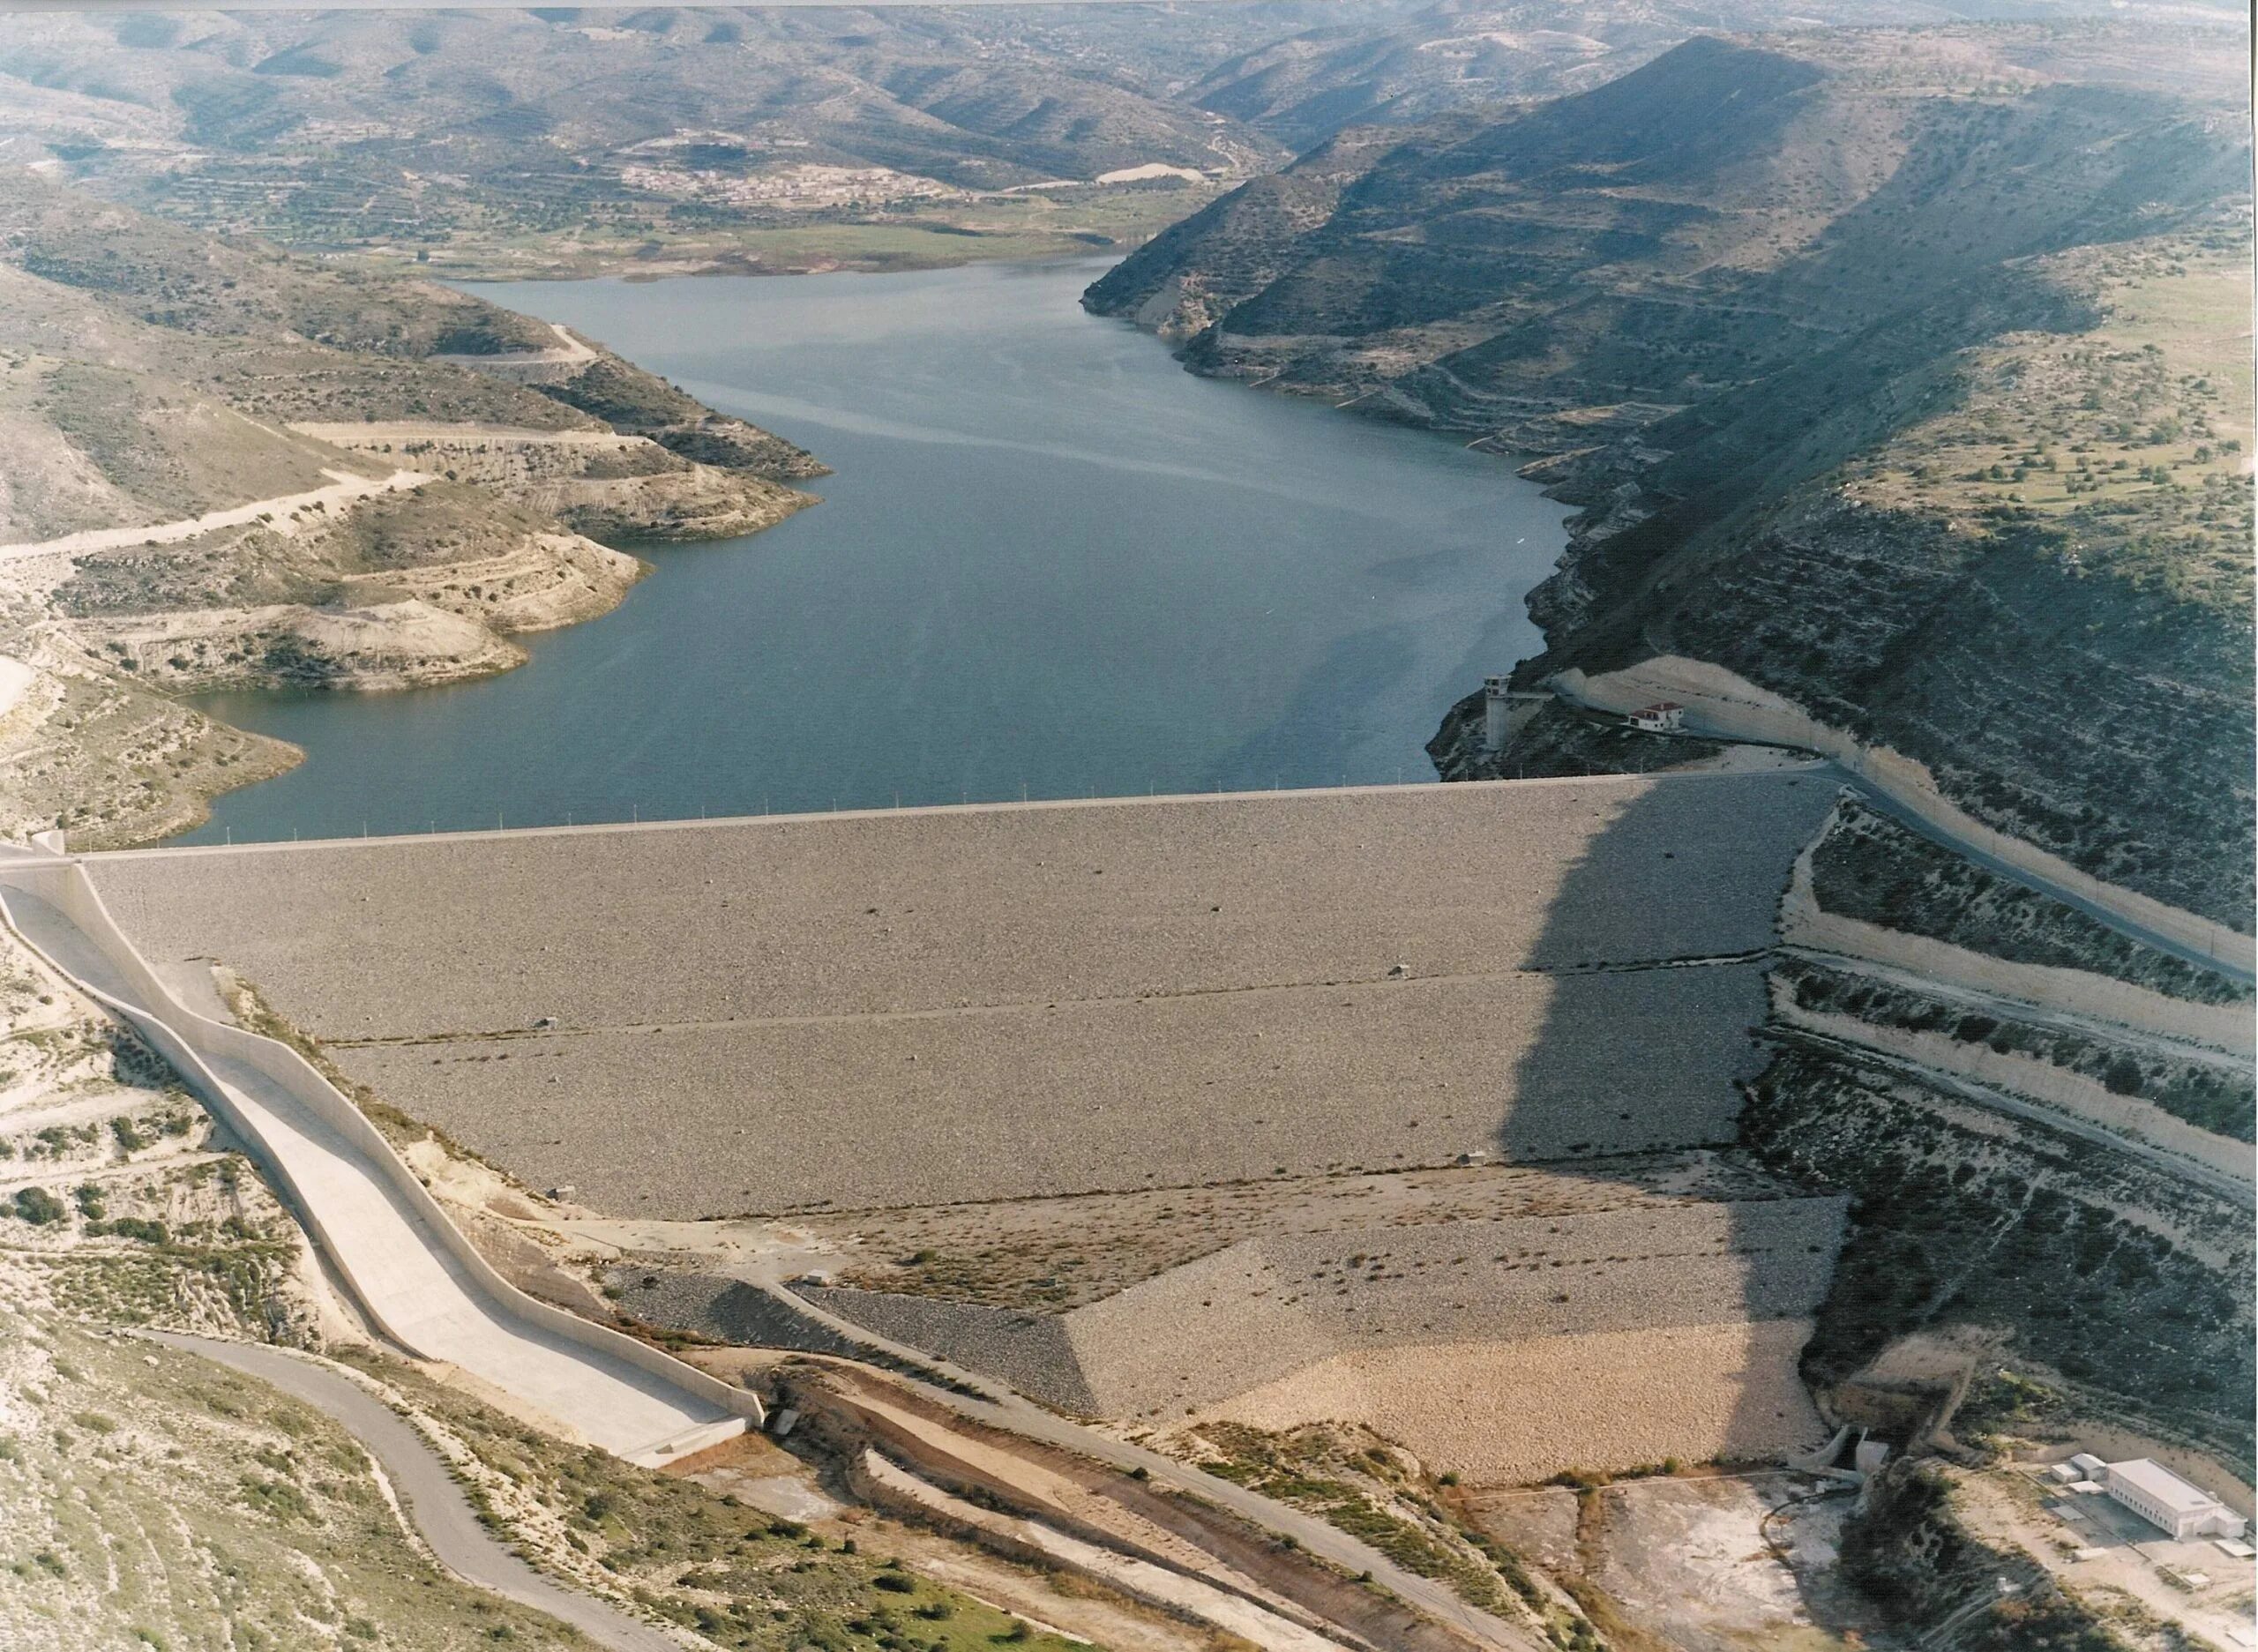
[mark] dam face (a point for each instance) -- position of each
(1412, 1106)
(923, 1007)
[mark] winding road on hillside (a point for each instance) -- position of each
(344, 488)
(427, 1494)
(2218, 1182)
(1881, 802)
(412, 1279)
(566, 351)
(2027, 1010)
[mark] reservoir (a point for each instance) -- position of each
(1049, 564)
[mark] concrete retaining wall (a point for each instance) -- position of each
(185, 1038)
(1719, 703)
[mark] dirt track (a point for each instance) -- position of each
(343, 490)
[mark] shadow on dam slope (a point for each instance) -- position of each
(1145, 999)
(1736, 1319)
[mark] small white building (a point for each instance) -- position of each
(1664, 716)
(2168, 1502)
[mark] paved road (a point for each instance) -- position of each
(1015, 1415)
(432, 1500)
(2241, 1193)
(2199, 956)
(404, 1272)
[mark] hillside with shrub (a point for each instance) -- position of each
(1912, 386)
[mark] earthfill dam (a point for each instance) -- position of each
(1410, 1105)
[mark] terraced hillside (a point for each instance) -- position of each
(2040, 1110)
(230, 467)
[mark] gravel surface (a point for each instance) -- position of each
(1512, 1413)
(924, 1006)
(1048, 1255)
(1089, 1097)
(717, 1306)
(1259, 1311)
(896, 911)
(1031, 1351)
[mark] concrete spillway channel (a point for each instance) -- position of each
(411, 1270)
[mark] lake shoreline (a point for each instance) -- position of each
(1058, 565)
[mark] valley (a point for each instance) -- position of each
(905, 1070)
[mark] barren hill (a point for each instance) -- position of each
(231, 467)
(513, 141)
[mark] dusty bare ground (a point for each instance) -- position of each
(1693, 1561)
(1696, 1563)
(1220, 1610)
(2111, 1559)
(857, 1409)
(1512, 1412)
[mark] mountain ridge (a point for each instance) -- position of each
(1840, 336)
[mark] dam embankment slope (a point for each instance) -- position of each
(1407, 1105)
(917, 1007)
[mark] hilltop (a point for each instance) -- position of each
(564, 140)
(230, 466)
(1898, 390)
